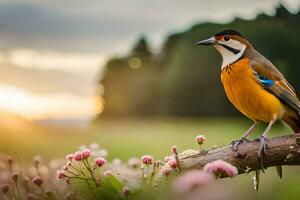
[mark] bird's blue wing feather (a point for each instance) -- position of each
(264, 80)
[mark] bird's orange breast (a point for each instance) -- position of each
(247, 95)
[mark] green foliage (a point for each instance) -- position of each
(110, 189)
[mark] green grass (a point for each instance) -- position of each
(135, 137)
(127, 138)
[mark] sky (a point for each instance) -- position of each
(52, 51)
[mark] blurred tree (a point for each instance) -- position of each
(168, 48)
(141, 49)
(132, 83)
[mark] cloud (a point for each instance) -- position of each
(43, 82)
(41, 26)
(105, 26)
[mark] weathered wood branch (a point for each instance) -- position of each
(283, 150)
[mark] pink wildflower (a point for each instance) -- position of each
(174, 150)
(100, 161)
(167, 158)
(134, 162)
(172, 163)
(125, 191)
(38, 180)
(69, 157)
(147, 160)
(166, 170)
(65, 168)
(15, 176)
(200, 139)
(220, 167)
(77, 156)
(5, 188)
(86, 153)
(191, 180)
(107, 173)
(60, 174)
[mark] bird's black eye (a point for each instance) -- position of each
(226, 37)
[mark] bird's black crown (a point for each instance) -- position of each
(229, 32)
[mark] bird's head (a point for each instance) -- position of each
(230, 43)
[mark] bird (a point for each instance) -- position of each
(254, 86)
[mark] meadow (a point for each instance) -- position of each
(126, 138)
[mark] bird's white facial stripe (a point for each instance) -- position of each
(233, 44)
(230, 56)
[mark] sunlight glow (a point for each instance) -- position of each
(33, 107)
(49, 60)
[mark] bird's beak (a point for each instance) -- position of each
(209, 41)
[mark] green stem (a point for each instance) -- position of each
(10, 196)
(91, 172)
(78, 177)
(18, 191)
(78, 170)
(72, 173)
(155, 165)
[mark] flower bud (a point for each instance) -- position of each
(77, 156)
(15, 176)
(220, 168)
(174, 150)
(38, 181)
(5, 188)
(134, 162)
(200, 139)
(166, 171)
(125, 191)
(86, 153)
(61, 174)
(147, 160)
(100, 161)
(172, 163)
(69, 157)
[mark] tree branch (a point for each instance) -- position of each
(283, 150)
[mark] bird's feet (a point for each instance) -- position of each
(262, 150)
(236, 143)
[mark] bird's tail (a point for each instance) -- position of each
(293, 121)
